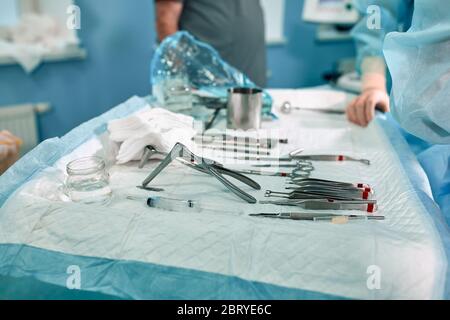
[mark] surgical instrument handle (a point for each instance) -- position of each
(232, 187)
(306, 216)
(234, 174)
(265, 173)
(177, 152)
(345, 219)
(161, 166)
(326, 157)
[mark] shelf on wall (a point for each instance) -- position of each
(70, 53)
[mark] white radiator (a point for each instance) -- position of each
(21, 121)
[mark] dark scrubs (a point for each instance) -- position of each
(235, 28)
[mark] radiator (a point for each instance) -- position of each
(21, 120)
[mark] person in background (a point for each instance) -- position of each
(418, 61)
(9, 150)
(235, 28)
(395, 15)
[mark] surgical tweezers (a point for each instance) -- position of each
(302, 195)
(365, 193)
(328, 183)
(305, 216)
(326, 204)
(206, 166)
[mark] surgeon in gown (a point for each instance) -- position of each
(417, 56)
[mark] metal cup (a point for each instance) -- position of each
(244, 108)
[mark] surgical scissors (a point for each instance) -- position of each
(302, 171)
(206, 166)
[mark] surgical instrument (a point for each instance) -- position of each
(148, 152)
(296, 156)
(321, 186)
(325, 194)
(304, 216)
(315, 181)
(327, 204)
(236, 150)
(324, 157)
(305, 165)
(264, 173)
(302, 169)
(206, 166)
(150, 189)
(213, 118)
(290, 157)
(263, 142)
(235, 143)
(287, 108)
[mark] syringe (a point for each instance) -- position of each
(186, 206)
(174, 204)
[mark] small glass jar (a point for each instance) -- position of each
(88, 181)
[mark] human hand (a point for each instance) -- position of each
(9, 150)
(361, 110)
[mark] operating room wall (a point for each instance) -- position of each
(302, 60)
(119, 39)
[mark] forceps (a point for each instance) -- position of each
(301, 184)
(306, 216)
(206, 166)
(317, 194)
(369, 206)
(328, 183)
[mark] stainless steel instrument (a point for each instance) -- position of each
(306, 216)
(326, 204)
(206, 166)
(244, 108)
(287, 108)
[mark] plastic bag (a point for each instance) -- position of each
(184, 60)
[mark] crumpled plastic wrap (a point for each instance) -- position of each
(182, 56)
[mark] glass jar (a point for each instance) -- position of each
(88, 181)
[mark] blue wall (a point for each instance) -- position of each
(119, 37)
(302, 61)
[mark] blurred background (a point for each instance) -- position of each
(106, 61)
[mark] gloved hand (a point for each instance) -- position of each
(361, 110)
(9, 150)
